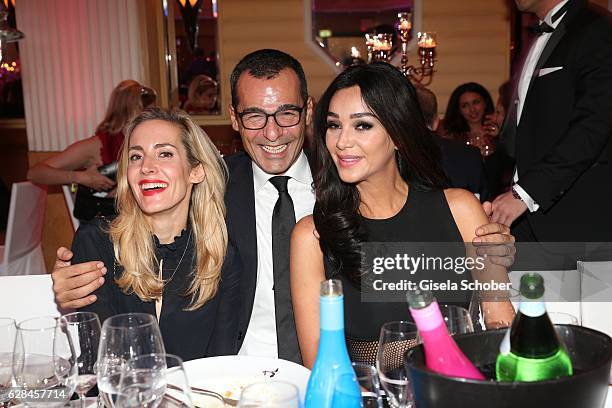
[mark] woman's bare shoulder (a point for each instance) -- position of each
(305, 228)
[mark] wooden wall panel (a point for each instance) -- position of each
(474, 38)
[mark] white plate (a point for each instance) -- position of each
(227, 375)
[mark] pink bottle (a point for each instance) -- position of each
(442, 354)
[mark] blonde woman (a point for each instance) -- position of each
(80, 161)
(167, 251)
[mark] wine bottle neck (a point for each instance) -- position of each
(532, 307)
(332, 312)
(428, 318)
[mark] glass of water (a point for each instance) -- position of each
(395, 339)
(44, 362)
(123, 337)
(8, 331)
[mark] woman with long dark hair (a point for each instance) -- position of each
(470, 118)
(378, 179)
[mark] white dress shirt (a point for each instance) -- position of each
(260, 339)
(524, 81)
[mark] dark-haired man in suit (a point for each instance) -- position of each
(559, 129)
(268, 183)
(462, 163)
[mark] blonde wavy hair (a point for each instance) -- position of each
(127, 100)
(132, 237)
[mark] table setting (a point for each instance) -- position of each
(56, 361)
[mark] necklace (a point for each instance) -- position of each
(177, 265)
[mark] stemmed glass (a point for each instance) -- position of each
(457, 319)
(44, 362)
(123, 337)
(84, 328)
(367, 378)
(270, 394)
(8, 331)
(154, 380)
(395, 339)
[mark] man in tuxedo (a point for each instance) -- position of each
(269, 189)
(559, 128)
(462, 163)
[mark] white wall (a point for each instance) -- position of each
(74, 53)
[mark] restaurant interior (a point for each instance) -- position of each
(60, 60)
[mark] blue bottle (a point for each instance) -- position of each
(332, 357)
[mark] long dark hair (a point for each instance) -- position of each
(454, 122)
(392, 99)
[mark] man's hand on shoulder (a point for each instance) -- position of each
(73, 285)
(495, 241)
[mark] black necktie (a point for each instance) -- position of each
(283, 221)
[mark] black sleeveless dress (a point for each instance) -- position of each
(424, 218)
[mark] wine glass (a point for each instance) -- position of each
(395, 339)
(84, 328)
(123, 337)
(8, 331)
(270, 394)
(367, 378)
(457, 319)
(44, 362)
(154, 380)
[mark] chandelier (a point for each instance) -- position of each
(379, 49)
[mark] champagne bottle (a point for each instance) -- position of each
(531, 349)
(332, 357)
(442, 354)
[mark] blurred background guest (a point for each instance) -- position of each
(79, 162)
(469, 119)
(462, 163)
(202, 95)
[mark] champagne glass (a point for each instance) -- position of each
(367, 377)
(123, 337)
(457, 319)
(154, 380)
(395, 339)
(84, 328)
(270, 394)
(8, 331)
(44, 362)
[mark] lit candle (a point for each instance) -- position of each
(355, 53)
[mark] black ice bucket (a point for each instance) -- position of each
(589, 350)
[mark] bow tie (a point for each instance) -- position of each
(542, 28)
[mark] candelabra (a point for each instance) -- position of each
(427, 52)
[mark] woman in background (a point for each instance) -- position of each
(201, 96)
(377, 179)
(469, 118)
(79, 162)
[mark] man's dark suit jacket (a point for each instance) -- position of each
(241, 229)
(463, 166)
(562, 144)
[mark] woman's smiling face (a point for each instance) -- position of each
(358, 143)
(159, 174)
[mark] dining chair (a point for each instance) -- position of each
(22, 252)
(24, 297)
(69, 198)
